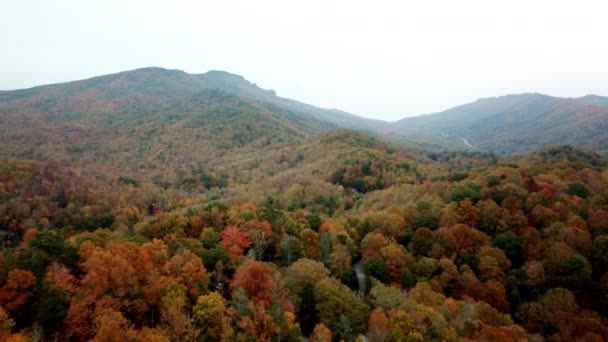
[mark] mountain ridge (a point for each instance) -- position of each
(513, 123)
(516, 123)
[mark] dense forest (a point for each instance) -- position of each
(455, 246)
(156, 205)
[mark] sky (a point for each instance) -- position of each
(378, 59)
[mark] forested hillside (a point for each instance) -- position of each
(514, 124)
(461, 246)
(184, 211)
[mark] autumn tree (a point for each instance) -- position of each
(111, 326)
(256, 278)
(396, 259)
(372, 243)
(6, 324)
(401, 327)
(17, 289)
(190, 270)
(235, 241)
(377, 326)
(259, 233)
(174, 316)
(340, 260)
(311, 244)
(209, 314)
(321, 333)
(258, 326)
(302, 273)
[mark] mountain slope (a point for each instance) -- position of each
(601, 101)
(508, 124)
(515, 124)
(149, 86)
(149, 117)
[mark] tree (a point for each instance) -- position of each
(290, 249)
(47, 296)
(28, 236)
(396, 259)
(174, 316)
(371, 245)
(511, 244)
(424, 294)
(599, 221)
(16, 291)
(559, 299)
(321, 333)
(344, 330)
(401, 326)
(256, 278)
(376, 268)
(311, 244)
(334, 300)
(235, 239)
(422, 241)
(190, 270)
(427, 215)
(391, 225)
(468, 213)
(464, 191)
(259, 326)
(111, 326)
(579, 189)
(302, 273)
(259, 233)
(530, 315)
(492, 217)
(340, 260)
(210, 238)
(6, 324)
(377, 326)
(119, 268)
(79, 321)
(209, 314)
(496, 295)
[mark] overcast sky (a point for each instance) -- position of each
(377, 59)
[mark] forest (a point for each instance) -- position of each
(303, 171)
(264, 245)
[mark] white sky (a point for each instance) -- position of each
(380, 59)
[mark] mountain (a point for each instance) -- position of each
(515, 124)
(131, 202)
(601, 101)
(160, 124)
(148, 86)
(217, 108)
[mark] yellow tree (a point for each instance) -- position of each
(209, 314)
(340, 260)
(174, 316)
(310, 241)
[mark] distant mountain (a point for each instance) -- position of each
(601, 101)
(218, 108)
(191, 131)
(515, 124)
(148, 119)
(150, 86)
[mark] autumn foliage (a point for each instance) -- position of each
(455, 247)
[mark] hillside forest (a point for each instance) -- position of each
(214, 217)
